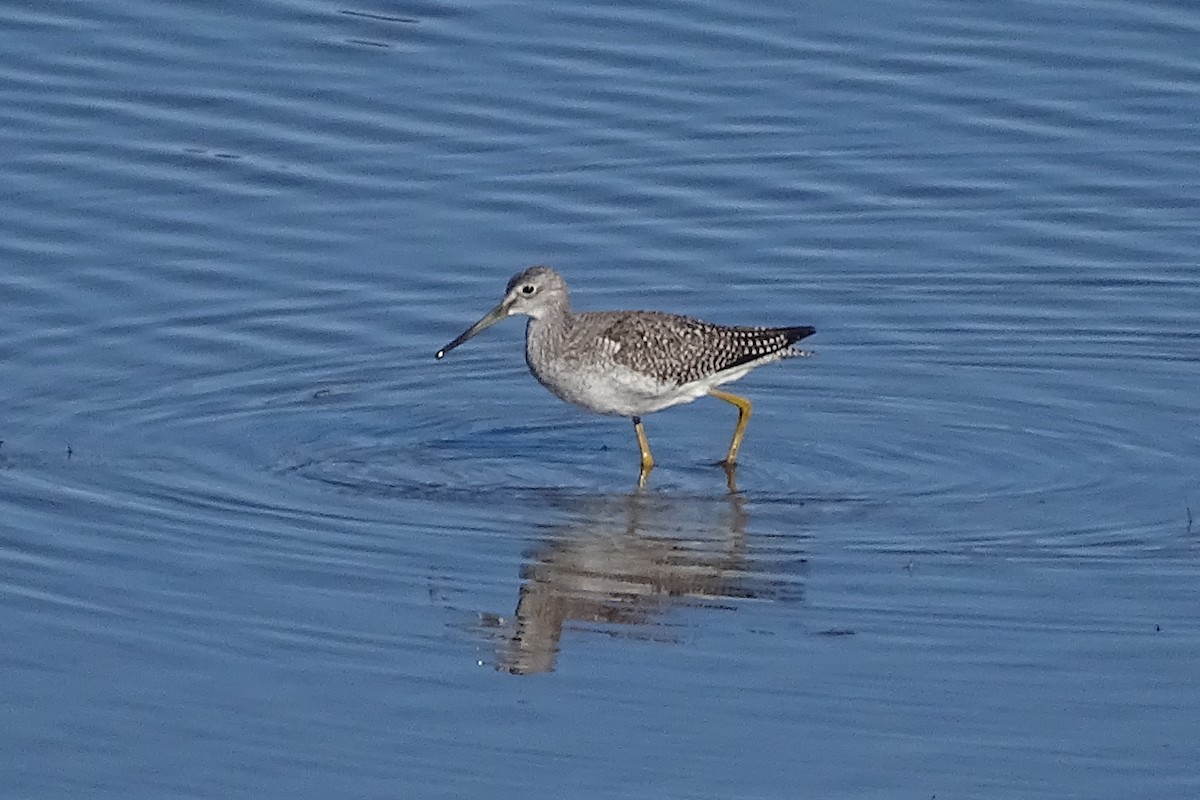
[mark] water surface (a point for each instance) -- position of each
(256, 542)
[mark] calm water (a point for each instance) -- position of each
(255, 542)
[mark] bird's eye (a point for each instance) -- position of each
(528, 289)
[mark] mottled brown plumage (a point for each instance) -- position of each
(677, 349)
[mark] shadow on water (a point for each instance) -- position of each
(624, 561)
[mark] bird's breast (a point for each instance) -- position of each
(593, 381)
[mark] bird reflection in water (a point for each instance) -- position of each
(624, 561)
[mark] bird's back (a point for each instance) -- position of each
(678, 350)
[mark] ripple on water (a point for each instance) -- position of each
(867, 431)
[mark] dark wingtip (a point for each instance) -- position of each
(800, 332)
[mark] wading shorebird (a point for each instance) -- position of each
(630, 363)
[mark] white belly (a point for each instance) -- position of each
(620, 391)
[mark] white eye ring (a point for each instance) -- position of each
(528, 289)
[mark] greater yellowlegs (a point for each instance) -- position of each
(630, 363)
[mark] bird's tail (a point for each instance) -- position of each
(794, 335)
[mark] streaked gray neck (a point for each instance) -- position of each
(545, 336)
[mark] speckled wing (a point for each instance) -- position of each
(680, 350)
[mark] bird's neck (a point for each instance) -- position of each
(547, 331)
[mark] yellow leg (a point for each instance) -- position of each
(743, 406)
(647, 459)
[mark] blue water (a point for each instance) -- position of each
(256, 542)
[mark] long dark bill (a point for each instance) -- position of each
(491, 318)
